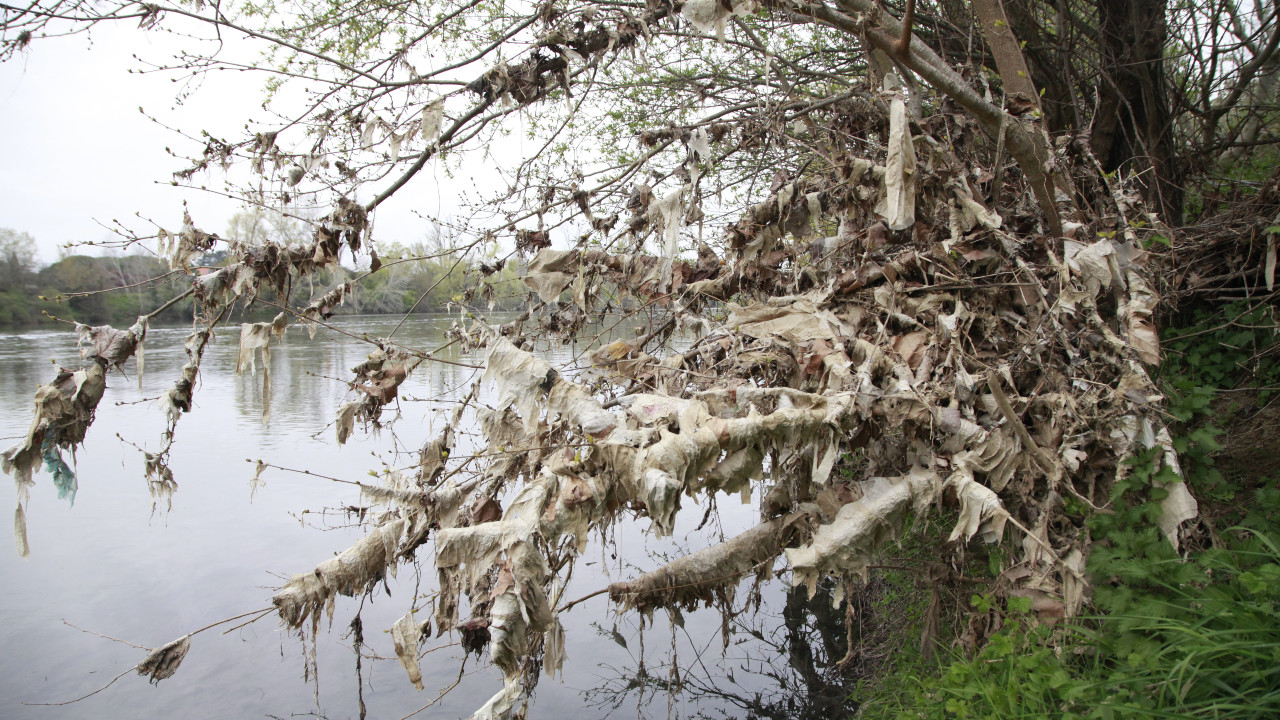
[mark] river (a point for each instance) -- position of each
(113, 566)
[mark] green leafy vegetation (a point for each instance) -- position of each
(1169, 636)
(1174, 638)
(92, 290)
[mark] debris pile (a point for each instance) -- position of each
(890, 331)
(966, 365)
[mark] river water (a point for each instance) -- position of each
(113, 565)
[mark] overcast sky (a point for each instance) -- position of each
(75, 153)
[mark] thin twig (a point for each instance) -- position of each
(131, 668)
(234, 617)
(85, 697)
(446, 691)
(261, 615)
(106, 637)
(601, 591)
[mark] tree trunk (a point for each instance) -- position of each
(1045, 36)
(1133, 129)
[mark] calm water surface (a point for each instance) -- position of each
(110, 565)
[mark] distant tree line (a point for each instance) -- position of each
(93, 290)
(115, 289)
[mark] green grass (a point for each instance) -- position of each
(1195, 639)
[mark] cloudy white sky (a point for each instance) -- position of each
(76, 154)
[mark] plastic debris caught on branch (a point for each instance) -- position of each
(64, 410)
(162, 663)
(254, 337)
(898, 204)
(405, 634)
(930, 352)
(521, 379)
(350, 573)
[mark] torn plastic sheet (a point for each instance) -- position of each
(521, 379)
(1137, 314)
(714, 14)
(1091, 263)
(554, 651)
(733, 472)
(689, 580)
(824, 458)
(846, 543)
(225, 284)
(1132, 432)
(64, 409)
(162, 662)
(499, 706)
(997, 452)
(177, 399)
(20, 532)
(346, 421)
(322, 308)
(112, 345)
(182, 247)
(652, 410)
(520, 607)
(801, 321)
(64, 478)
(1269, 264)
(700, 144)
(898, 200)
(255, 336)
(550, 272)
(1036, 543)
(405, 634)
(980, 509)
(350, 573)
(667, 213)
(1073, 584)
(969, 212)
(432, 116)
(574, 403)
(434, 454)
(813, 202)
(520, 613)
(478, 546)
(379, 377)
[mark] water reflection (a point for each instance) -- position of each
(108, 564)
(778, 665)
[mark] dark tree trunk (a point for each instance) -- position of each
(1048, 59)
(1133, 128)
